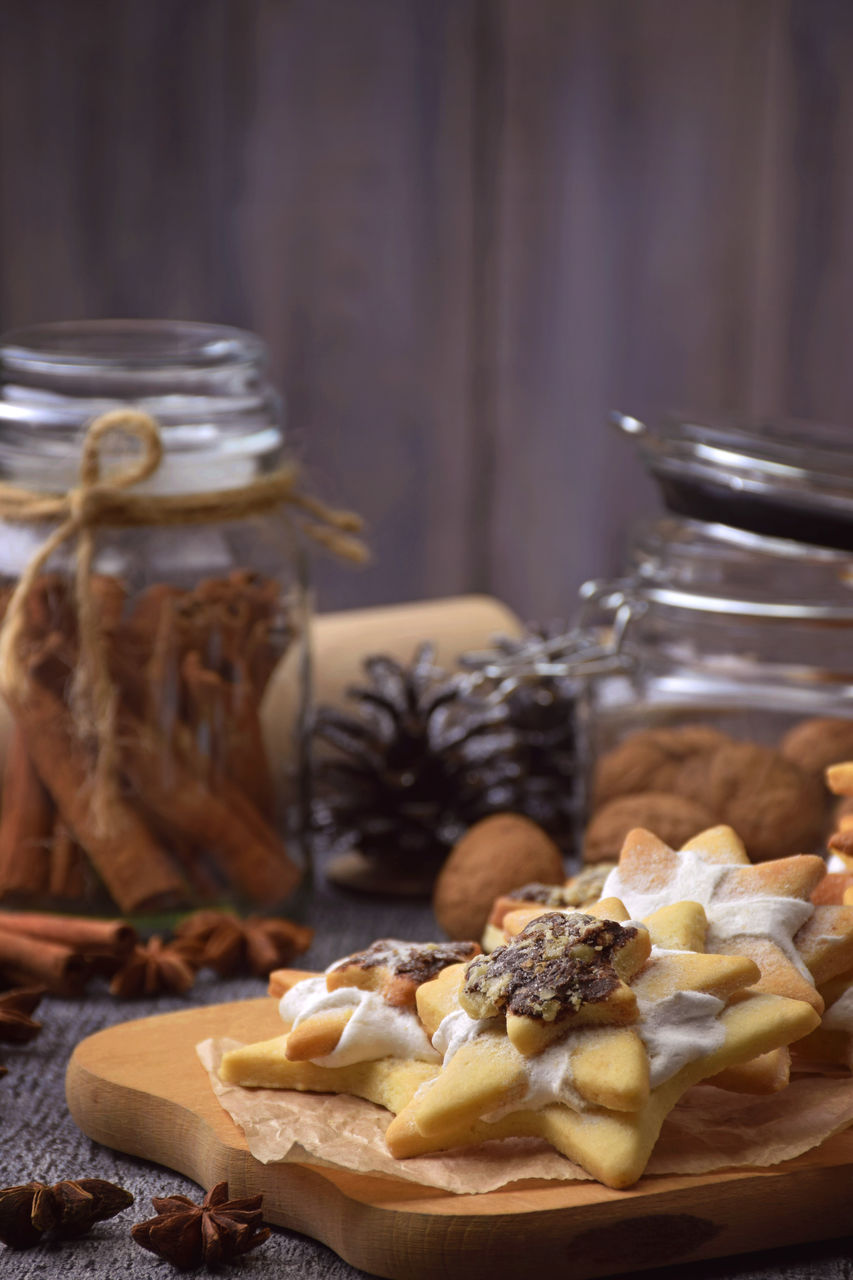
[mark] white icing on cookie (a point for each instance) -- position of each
(375, 1030)
(697, 880)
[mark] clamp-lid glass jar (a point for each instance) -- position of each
(147, 607)
(784, 479)
(736, 689)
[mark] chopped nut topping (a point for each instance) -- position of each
(556, 964)
(549, 895)
(583, 888)
(417, 961)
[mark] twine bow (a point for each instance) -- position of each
(98, 502)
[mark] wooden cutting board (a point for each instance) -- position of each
(140, 1088)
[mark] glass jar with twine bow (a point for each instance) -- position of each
(147, 611)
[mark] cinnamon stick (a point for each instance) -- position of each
(246, 763)
(135, 869)
(225, 716)
(26, 824)
(205, 711)
(222, 821)
(80, 933)
(263, 654)
(67, 875)
(109, 595)
(60, 969)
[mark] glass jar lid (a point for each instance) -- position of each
(787, 479)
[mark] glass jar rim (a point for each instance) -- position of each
(782, 450)
(129, 343)
(730, 540)
(689, 565)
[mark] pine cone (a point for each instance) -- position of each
(540, 704)
(416, 764)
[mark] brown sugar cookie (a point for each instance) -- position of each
(390, 969)
(753, 910)
(830, 1044)
(818, 742)
(649, 760)
(831, 889)
(842, 812)
(825, 941)
(389, 1082)
(317, 1036)
(487, 1089)
(682, 927)
(839, 778)
(774, 807)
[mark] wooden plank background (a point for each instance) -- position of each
(466, 229)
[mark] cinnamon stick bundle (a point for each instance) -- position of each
(190, 808)
(61, 953)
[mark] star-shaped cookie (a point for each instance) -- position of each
(752, 909)
(563, 968)
(596, 1092)
(683, 926)
(354, 1029)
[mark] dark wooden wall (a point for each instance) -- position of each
(466, 229)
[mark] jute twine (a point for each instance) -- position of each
(108, 501)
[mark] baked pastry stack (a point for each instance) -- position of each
(584, 1028)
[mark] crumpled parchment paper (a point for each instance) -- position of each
(710, 1129)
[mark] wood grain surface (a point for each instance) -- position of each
(467, 230)
(139, 1088)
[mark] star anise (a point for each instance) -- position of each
(16, 1006)
(64, 1210)
(190, 1235)
(256, 945)
(156, 966)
